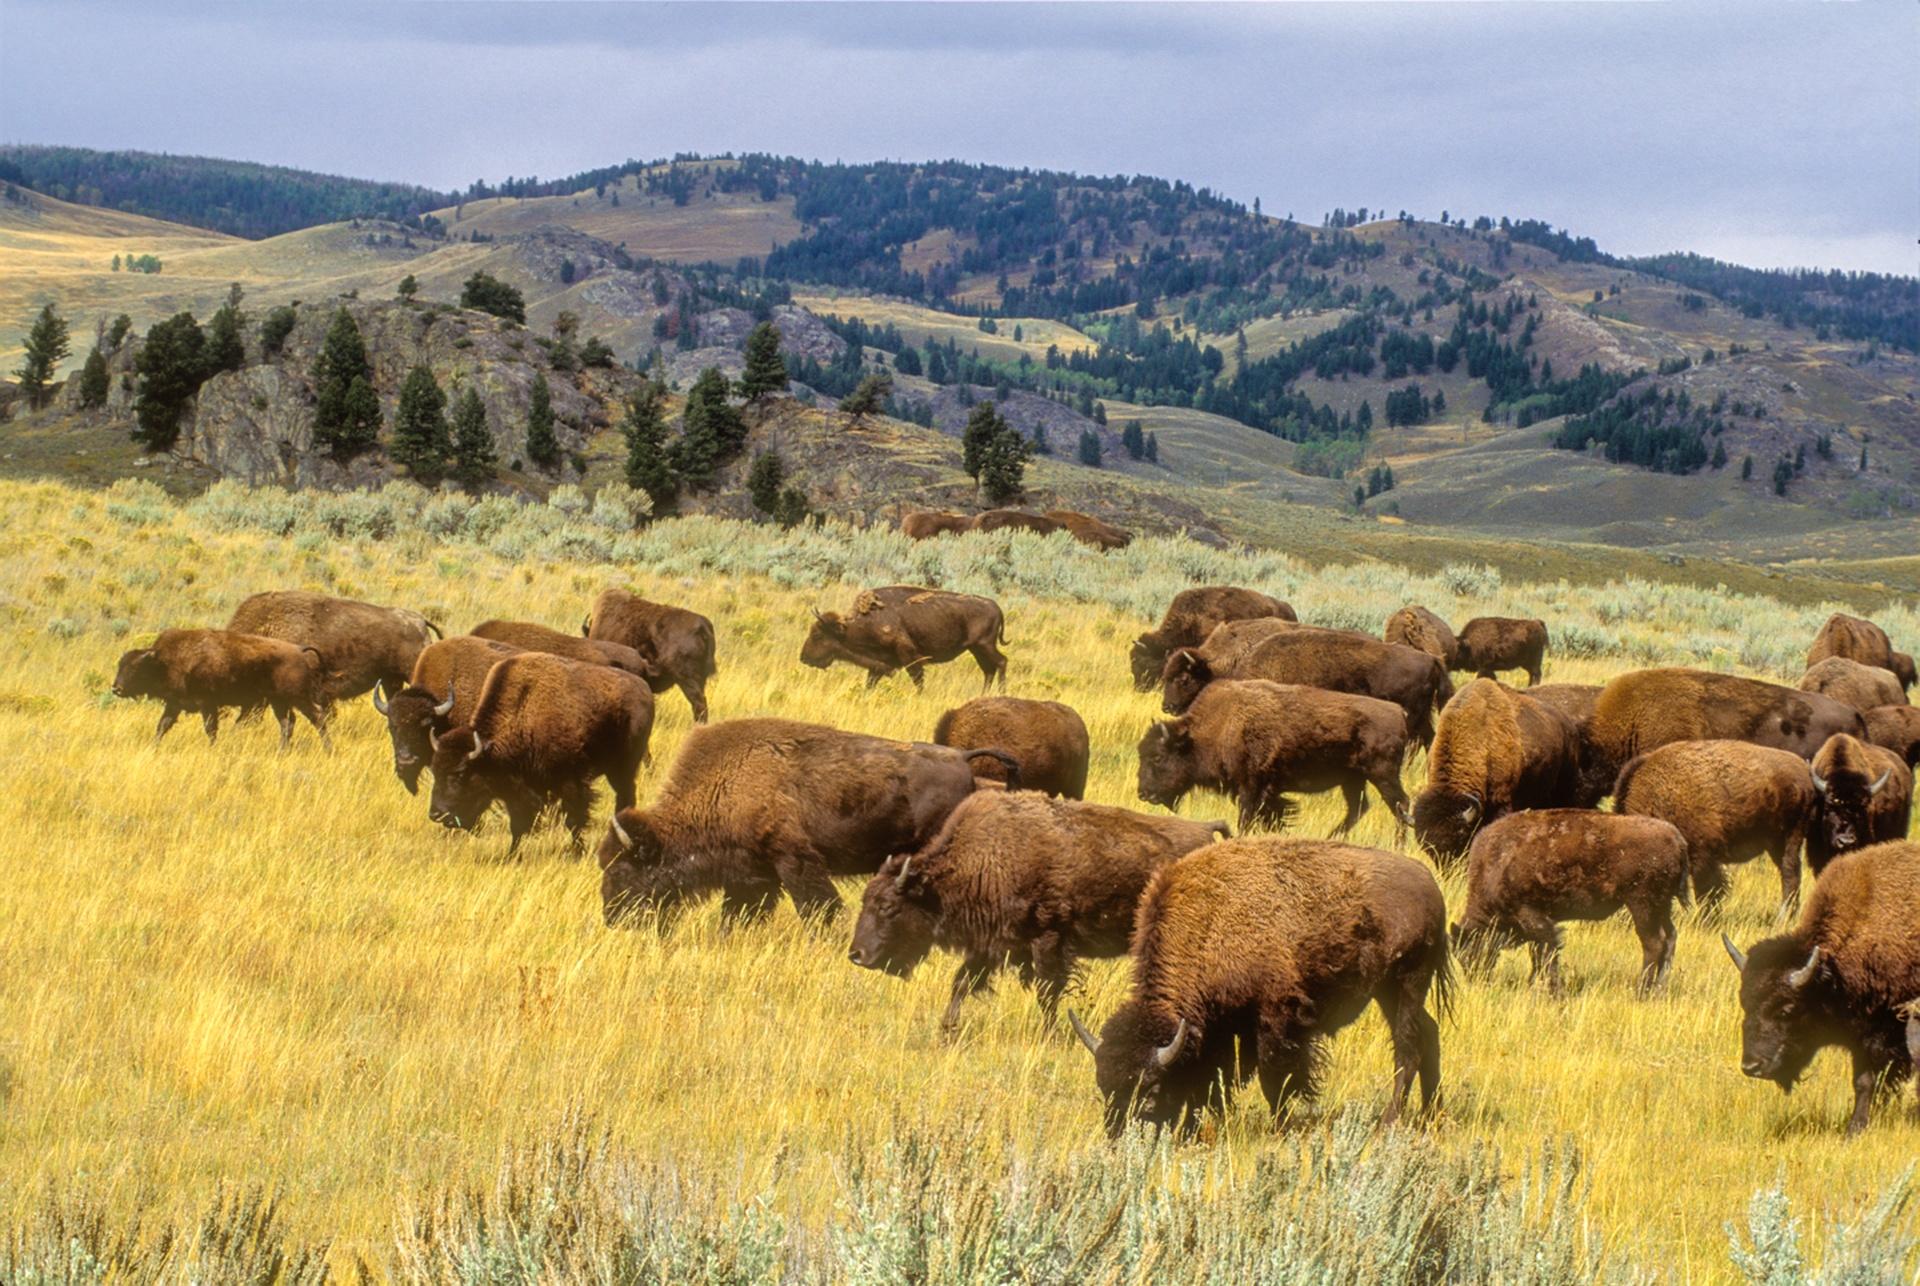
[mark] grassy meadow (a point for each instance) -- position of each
(227, 968)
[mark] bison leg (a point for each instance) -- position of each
(1653, 921)
(1789, 866)
(975, 974)
(576, 807)
(1285, 1065)
(523, 810)
(169, 715)
(993, 665)
(1355, 790)
(745, 901)
(210, 720)
(1710, 885)
(917, 671)
(1398, 1008)
(321, 717)
(1542, 936)
(1052, 971)
(1866, 1079)
(804, 876)
(283, 715)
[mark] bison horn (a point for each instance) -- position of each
(1819, 782)
(1879, 782)
(1804, 974)
(900, 880)
(1164, 1056)
(1087, 1038)
(626, 840)
(479, 748)
(1739, 957)
(445, 708)
(1472, 810)
(380, 695)
(433, 740)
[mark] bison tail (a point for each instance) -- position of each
(1625, 779)
(942, 727)
(1007, 761)
(433, 627)
(1444, 980)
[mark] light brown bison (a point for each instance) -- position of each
(1489, 644)
(676, 642)
(1273, 944)
(529, 637)
(440, 695)
(1861, 686)
(1863, 794)
(206, 671)
(542, 729)
(1191, 618)
(1018, 520)
(1257, 741)
(1860, 640)
(1574, 700)
(1496, 750)
(1842, 977)
(1415, 626)
(362, 644)
(1089, 530)
(1528, 872)
(754, 806)
(905, 627)
(1898, 729)
(1046, 738)
(924, 524)
(1015, 878)
(1731, 800)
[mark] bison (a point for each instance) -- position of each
(1529, 871)
(924, 524)
(755, 806)
(1257, 741)
(678, 643)
(1496, 750)
(1018, 520)
(1489, 644)
(1862, 795)
(440, 694)
(1860, 640)
(1046, 738)
(1018, 879)
(529, 637)
(903, 627)
(1731, 800)
(362, 644)
(1274, 944)
(205, 671)
(1089, 530)
(1861, 686)
(1191, 618)
(1898, 729)
(1574, 700)
(1415, 626)
(542, 729)
(1842, 977)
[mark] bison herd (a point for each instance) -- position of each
(1247, 953)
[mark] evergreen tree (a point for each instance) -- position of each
(710, 429)
(1746, 469)
(275, 329)
(792, 509)
(648, 467)
(473, 453)
(983, 426)
(766, 370)
(1003, 466)
(1133, 439)
(345, 423)
(408, 288)
(1863, 459)
(596, 352)
(869, 397)
(116, 263)
(1100, 414)
(1090, 448)
(1153, 448)
(117, 333)
(171, 364)
(764, 481)
(542, 447)
(93, 381)
(1719, 455)
(226, 349)
(46, 347)
(420, 438)
(489, 294)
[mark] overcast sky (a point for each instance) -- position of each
(1766, 134)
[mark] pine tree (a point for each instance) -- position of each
(1153, 448)
(1003, 465)
(764, 481)
(473, 453)
(46, 347)
(1133, 439)
(341, 425)
(983, 426)
(275, 329)
(117, 333)
(1090, 448)
(792, 508)
(93, 381)
(409, 287)
(1863, 459)
(766, 370)
(542, 447)
(489, 294)
(711, 429)
(648, 468)
(226, 349)
(1746, 469)
(1100, 414)
(869, 397)
(1719, 455)
(420, 438)
(171, 364)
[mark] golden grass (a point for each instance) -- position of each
(920, 324)
(223, 963)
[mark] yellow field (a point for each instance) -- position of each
(920, 324)
(226, 964)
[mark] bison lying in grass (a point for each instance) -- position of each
(206, 671)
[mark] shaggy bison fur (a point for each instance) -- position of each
(362, 644)
(1415, 626)
(1489, 644)
(676, 642)
(1191, 619)
(1496, 750)
(904, 627)
(1860, 640)
(206, 671)
(1898, 729)
(529, 637)
(441, 694)
(1047, 739)
(1089, 530)
(1861, 686)
(1862, 795)
(924, 524)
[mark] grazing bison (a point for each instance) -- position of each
(529, 637)
(1898, 729)
(1191, 618)
(754, 806)
(1257, 741)
(1337, 660)
(1018, 519)
(1529, 871)
(1274, 944)
(1018, 879)
(1489, 644)
(1862, 795)
(1496, 750)
(1415, 626)
(1860, 640)
(362, 644)
(1089, 530)
(1047, 739)
(903, 627)
(1842, 977)
(441, 694)
(1731, 801)
(205, 671)
(1574, 700)
(1861, 686)
(924, 524)
(676, 642)
(542, 729)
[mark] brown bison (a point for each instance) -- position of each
(1089, 530)
(1191, 618)
(924, 524)
(529, 637)
(1862, 795)
(754, 806)
(1489, 644)
(542, 729)
(1046, 738)
(1842, 977)
(1731, 800)
(1574, 700)
(1273, 944)
(1861, 686)
(1016, 519)
(1018, 879)
(903, 627)
(1496, 750)
(440, 695)
(1529, 871)
(1898, 729)
(676, 642)
(362, 644)
(205, 671)
(1859, 640)
(1257, 741)
(1337, 660)
(1415, 626)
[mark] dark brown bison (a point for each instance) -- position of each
(1089, 530)
(1337, 660)
(1898, 729)
(1273, 944)
(1191, 618)
(1731, 800)
(1860, 640)
(1489, 644)
(440, 695)
(1415, 626)
(1842, 977)
(542, 729)
(1862, 796)
(1015, 878)
(362, 644)
(754, 806)
(1574, 700)
(1257, 741)
(924, 524)
(529, 637)
(678, 643)
(1047, 739)
(904, 627)
(1861, 686)
(1018, 520)
(1496, 750)
(206, 671)
(1529, 871)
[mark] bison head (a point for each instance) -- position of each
(825, 641)
(1145, 1070)
(1902, 667)
(1185, 673)
(1780, 990)
(461, 793)
(1444, 822)
(897, 912)
(414, 717)
(1166, 764)
(1147, 658)
(1845, 799)
(140, 674)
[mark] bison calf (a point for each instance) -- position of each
(1489, 644)
(1191, 618)
(1046, 738)
(440, 695)
(1495, 750)
(205, 671)
(1862, 795)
